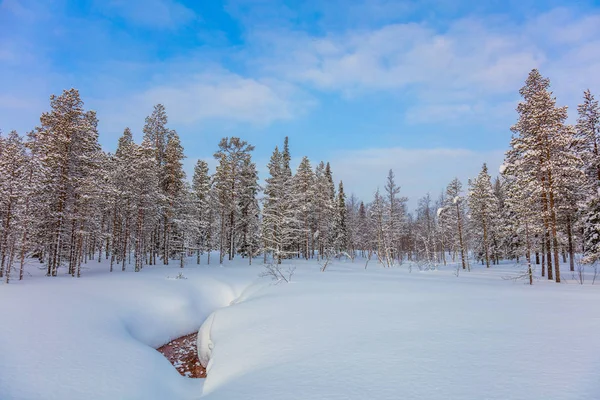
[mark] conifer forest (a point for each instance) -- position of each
(64, 202)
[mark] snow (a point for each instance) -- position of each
(94, 337)
(387, 334)
(205, 344)
(347, 333)
(502, 169)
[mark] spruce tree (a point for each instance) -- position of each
(201, 186)
(302, 204)
(340, 223)
(484, 207)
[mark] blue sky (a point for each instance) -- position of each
(427, 88)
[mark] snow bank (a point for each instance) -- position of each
(94, 337)
(348, 333)
(205, 344)
(387, 334)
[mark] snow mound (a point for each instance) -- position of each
(95, 338)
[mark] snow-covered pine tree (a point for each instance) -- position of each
(352, 207)
(453, 216)
(362, 230)
(232, 155)
(588, 137)
(147, 198)
(542, 145)
(484, 208)
(302, 204)
(156, 132)
(122, 196)
(173, 184)
(13, 192)
(523, 210)
(340, 222)
(324, 207)
(249, 211)
(394, 216)
(588, 143)
(424, 232)
(67, 144)
(377, 229)
(201, 186)
(275, 209)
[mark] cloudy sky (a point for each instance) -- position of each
(427, 88)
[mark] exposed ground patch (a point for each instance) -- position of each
(182, 353)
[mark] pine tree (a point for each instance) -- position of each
(340, 225)
(377, 228)
(324, 207)
(484, 206)
(275, 209)
(174, 191)
(248, 223)
(302, 204)
(362, 231)
(588, 137)
(67, 145)
(232, 155)
(201, 186)
(13, 191)
(146, 187)
(395, 212)
(542, 146)
(424, 232)
(352, 209)
(453, 216)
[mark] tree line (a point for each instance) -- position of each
(66, 202)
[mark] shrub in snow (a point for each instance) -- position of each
(277, 273)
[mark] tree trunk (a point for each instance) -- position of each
(571, 249)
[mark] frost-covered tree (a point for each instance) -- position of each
(452, 215)
(67, 145)
(278, 229)
(13, 196)
(173, 185)
(340, 222)
(232, 155)
(146, 188)
(588, 137)
(352, 210)
(542, 147)
(362, 230)
(201, 186)
(377, 229)
(424, 231)
(324, 203)
(394, 216)
(483, 205)
(248, 228)
(302, 203)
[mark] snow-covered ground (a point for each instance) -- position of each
(347, 333)
(94, 337)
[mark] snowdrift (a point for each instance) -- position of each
(388, 334)
(94, 337)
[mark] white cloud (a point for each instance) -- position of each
(193, 98)
(418, 171)
(470, 67)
